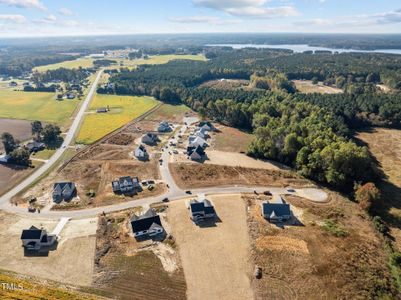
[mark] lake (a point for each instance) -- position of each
(299, 48)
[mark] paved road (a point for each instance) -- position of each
(173, 193)
(4, 200)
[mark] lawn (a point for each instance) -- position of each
(70, 64)
(88, 62)
(35, 106)
(168, 112)
(123, 109)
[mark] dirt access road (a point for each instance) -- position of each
(216, 259)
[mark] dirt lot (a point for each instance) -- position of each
(385, 145)
(216, 258)
(229, 139)
(189, 175)
(94, 168)
(20, 129)
(10, 175)
(71, 263)
(307, 87)
(309, 262)
(130, 269)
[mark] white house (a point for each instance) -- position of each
(197, 141)
(141, 153)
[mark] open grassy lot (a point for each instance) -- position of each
(215, 257)
(35, 106)
(385, 145)
(123, 109)
(171, 113)
(334, 254)
(88, 62)
(307, 87)
(231, 139)
(70, 64)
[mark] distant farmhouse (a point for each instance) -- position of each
(13, 84)
(35, 146)
(196, 153)
(150, 139)
(35, 238)
(141, 153)
(147, 224)
(63, 191)
(164, 127)
(277, 211)
(201, 209)
(126, 185)
(102, 110)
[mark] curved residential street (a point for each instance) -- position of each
(174, 192)
(5, 199)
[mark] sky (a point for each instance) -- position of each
(21, 18)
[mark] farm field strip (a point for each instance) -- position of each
(123, 109)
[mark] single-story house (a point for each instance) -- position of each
(141, 153)
(102, 110)
(35, 146)
(70, 96)
(276, 212)
(147, 224)
(201, 209)
(197, 141)
(164, 127)
(195, 153)
(150, 138)
(13, 83)
(35, 238)
(63, 191)
(126, 185)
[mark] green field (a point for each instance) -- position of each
(123, 109)
(70, 64)
(88, 62)
(35, 106)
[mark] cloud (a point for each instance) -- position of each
(203, 19)
(389, 17)
(50, 19)
(65, 11)
(248, 8)
(24, 4)
(13, 18)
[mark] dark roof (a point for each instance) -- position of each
(35, 145)
(199, 150)
(279, 209)
(59, 187)
(202, 123)
(32, 233)
(145, 221)
(199, 206)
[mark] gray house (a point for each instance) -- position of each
(150, 139)
(126, 185)
(63, 191)
(35, 146)
(196, 153)
(201, 209)
(147, 224)
(164, 127)
(35, 238)
(276, 212)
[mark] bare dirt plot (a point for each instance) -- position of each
(20, 129)
(307, 87)
(129, 269)
(11, 174)
(230, 139)
(307, 262)
(385, 146)
(384, 88)
(238, 160)
(215, 259)
(71, 263)
(190, 175)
